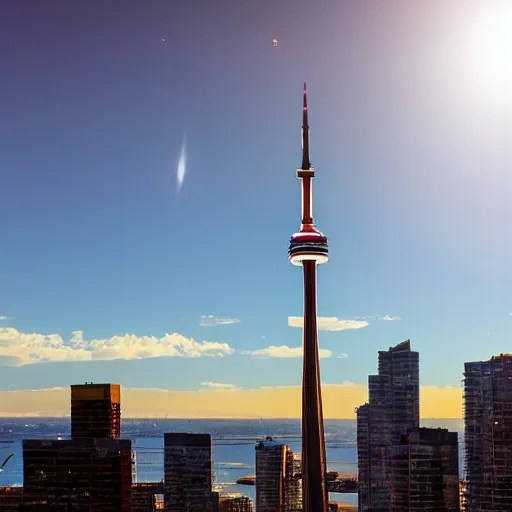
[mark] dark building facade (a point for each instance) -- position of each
(363, 456)
(92, 475)
(188, 472)
(96, 411)
(10, 498)
(488, 434)
(278, 486)
(235, 504)
(425, 472)
(147, 496)
(392, 409)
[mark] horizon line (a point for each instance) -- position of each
(226, 418)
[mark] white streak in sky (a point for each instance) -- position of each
(182, 163)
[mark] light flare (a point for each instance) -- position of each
(490, 47)
(182, 164)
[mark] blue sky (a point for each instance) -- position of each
(410, 116)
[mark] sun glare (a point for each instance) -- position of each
(491, 47)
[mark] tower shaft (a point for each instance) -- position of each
(313, 442)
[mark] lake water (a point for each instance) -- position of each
(233, 446)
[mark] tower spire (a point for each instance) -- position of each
(306, 164)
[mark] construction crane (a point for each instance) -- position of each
(5, 462)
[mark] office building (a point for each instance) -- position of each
(425, 472)
(80, 475)
(392, 409)
(188, 471)
(488, 434)
(96, 411)
(278, 486)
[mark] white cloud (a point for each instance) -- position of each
(212, 321)
(218, 385)
(20, 349)
(326, 323)
(285, 352)
(342, 356)
(3, 317)
(377, 317)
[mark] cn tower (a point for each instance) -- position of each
(309, 248)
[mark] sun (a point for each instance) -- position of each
(491, 46)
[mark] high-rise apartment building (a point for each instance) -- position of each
(392, 409)
(425, 472)
(96, 411)
(488, 434)
(79, 475)
(278, 486)
(187, 472)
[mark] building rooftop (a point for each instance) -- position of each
(187, 439)
(91, 391)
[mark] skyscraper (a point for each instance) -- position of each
(278, 486)
(425, 471)
(90, 472)
(187, 472)
(96, 411)
(89, 475)
(307, 249)
(392, 409)
(488, 434)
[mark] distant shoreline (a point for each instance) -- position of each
(180, 418)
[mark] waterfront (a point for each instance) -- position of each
(233, 446)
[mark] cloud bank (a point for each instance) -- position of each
(284, 351)
(3, 317)
(19, 349)
(339, 401)
(326, 323)
(212, 321)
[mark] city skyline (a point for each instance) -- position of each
(134, 151)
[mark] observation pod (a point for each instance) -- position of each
(308, 246)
